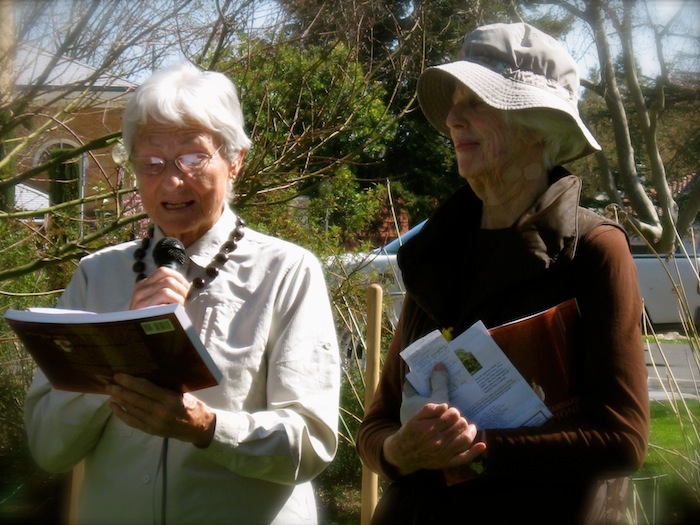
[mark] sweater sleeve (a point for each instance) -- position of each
(609, 435)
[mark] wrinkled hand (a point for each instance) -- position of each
(436, 436)
(412, 401)
(164, 286)
(161, 412)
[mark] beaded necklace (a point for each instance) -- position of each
(211, 271)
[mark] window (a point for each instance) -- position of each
(65, 178)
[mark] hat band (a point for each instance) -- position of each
(525, 77)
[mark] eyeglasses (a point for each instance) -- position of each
(189, 163)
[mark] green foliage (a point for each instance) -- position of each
(339, 480)
(7, 195)
(667, 486)
(309, 111)
(669, 447)
(342, 202)
(338, 487)
(323, 224)
(315, 121)
(16, 367)
(423, 167)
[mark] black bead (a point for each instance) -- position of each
(211, 271)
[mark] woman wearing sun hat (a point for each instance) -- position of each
(511, 243)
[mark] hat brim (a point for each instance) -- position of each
(436, 88)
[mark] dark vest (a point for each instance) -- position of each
(456, 274)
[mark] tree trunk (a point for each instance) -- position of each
(629, 179)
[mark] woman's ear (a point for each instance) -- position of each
(236, 165)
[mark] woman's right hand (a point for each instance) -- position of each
(163, 286)
(436, 437)
(432, 435)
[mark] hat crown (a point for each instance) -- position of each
(520, 48)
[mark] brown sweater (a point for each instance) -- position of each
(456, 274)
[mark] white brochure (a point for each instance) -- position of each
(483, 383)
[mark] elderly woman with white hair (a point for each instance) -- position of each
(513, 242)
(246, 450)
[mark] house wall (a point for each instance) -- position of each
(84, 125)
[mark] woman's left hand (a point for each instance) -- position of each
(161, 412)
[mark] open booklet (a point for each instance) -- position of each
(81, 351)
(514, 375)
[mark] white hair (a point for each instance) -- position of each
(557, 130)
(184, 95)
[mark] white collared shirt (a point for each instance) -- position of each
(267, 322)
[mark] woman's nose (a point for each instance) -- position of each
(455, 117)
(172, 176)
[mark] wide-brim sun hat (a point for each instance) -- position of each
(510, 67)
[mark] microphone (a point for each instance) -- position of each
(169, 252)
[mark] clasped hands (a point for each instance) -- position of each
(433, 435)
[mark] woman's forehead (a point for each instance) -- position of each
(159, 132)
(463, 93)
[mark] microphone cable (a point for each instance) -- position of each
(169, 252)
(164, 487)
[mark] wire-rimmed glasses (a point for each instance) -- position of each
(189, 163)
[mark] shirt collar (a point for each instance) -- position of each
(206, 247)
(202, 251)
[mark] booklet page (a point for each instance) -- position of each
(484, 384)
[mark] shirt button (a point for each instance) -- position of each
(146, 479)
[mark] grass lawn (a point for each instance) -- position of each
(667, 487)
(673, 437)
